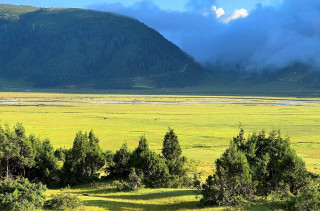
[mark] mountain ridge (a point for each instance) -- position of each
(76, 47)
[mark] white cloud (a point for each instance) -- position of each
(217, 11)
(238, 13)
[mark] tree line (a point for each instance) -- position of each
(25, 159)
(35, 159)
(260, 169)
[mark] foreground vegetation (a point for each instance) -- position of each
(262, 168)
(204, 126)
(25, 158)
(259, 170)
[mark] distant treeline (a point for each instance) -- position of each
(260, 169)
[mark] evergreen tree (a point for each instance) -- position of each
(232, 182)
(9, 148)
(273, 162)
(172, 152)
(150, 166)
(46, 164)
(259, 166)
(83, 160)
(16, 150)
(24, 156)
(121, 166)
(95, 158)
(138, 159)
(171, 149)
(157, 174)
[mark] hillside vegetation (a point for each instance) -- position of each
(84, 48)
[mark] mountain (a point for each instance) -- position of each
(52, 48)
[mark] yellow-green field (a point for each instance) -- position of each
(204, 124)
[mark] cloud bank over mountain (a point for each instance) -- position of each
(266, 37)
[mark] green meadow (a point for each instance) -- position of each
(204, 124)
(103, 196)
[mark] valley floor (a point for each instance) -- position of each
(204, 124)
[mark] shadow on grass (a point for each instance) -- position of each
(152, 196)
(266, 206)
(99, 191)
(115, 205)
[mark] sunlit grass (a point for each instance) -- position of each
(103, 196)
(205, 125)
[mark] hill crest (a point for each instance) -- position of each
(77, 47)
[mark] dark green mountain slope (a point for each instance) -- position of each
(74, 47)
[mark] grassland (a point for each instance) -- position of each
(103, 197)
(204, 124)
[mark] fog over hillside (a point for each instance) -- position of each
(266, 37)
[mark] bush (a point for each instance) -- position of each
(263, 166)
(60, 154)
(24, 205)
(20, 194)
(135, 180)
(157, 175)
(197, 183)
(232, 183)
(133, 183)
(64, 201)
(122, 185)
(308, 199)
(120, 166)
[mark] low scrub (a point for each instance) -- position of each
(64, 201)
(308, 199)
(21, 195)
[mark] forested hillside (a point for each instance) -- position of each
(75, 47)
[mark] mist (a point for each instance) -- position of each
(266, 37)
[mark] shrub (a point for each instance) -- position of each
(196, 183)
(122, 185)
(157, 175)
(260, 166)
(60, 154)
(20, 194)
(133, 182)
(120, 166)
(308, 199)
(232, 183)
(64, 201)
(24, 205)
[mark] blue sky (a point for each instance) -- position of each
(179, 5)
